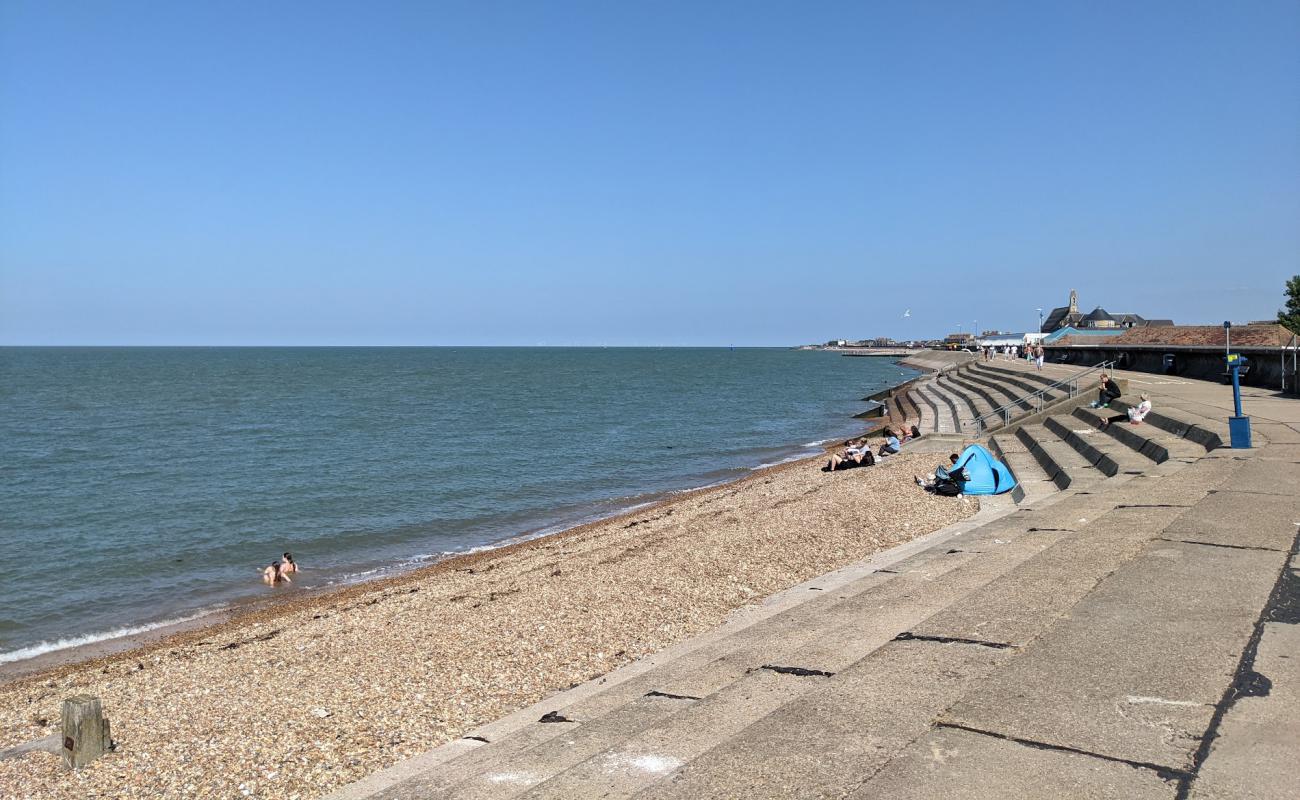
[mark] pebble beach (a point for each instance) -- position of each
(297, 699)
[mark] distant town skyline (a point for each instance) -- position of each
(637, 174)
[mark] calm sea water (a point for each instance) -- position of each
(142, 484)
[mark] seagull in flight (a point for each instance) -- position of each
(907, 313)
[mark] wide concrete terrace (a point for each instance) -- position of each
(1128, 626)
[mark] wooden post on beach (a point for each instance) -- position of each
(85, 731)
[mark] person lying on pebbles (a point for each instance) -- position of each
(857, 454)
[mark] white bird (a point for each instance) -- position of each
(907, 313)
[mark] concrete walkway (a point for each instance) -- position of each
(1130, 630)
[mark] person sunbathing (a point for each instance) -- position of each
(857, 454)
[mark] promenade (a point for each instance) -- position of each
(1127, 626)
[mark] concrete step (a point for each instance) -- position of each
(770, 638)
(1061, 462)
(967, 765)
(822, 745)
(1175, 620)
(1026, 382)
(908, 403)
(1104, 452)
(626, 766)
(1150, 441)
(1020, 372)
(945, 416)
(925, 414)
(1033, 480)
(960, 390)
(1208, 433)
(828, 742)
(513, 764)
(987, 400)
(928, 581)
(960, 407)
(1001, 391)
(894, 411)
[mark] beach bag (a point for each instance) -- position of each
(947, 489)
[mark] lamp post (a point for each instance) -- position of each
(1040, 320)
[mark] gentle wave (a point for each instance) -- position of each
(41, 648)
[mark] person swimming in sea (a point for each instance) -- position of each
(289, 565)
(275, 573)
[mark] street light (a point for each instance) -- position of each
(1040, 320)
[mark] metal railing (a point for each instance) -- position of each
(1290, 375)
(1034, 402)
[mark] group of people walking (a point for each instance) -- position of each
(1033, 352)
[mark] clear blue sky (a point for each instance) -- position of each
(637, 173)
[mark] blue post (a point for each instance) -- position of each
(1238, 425)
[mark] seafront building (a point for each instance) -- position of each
(1099, 319)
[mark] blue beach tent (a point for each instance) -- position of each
(987, 474)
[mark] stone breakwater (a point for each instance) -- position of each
(294, 701)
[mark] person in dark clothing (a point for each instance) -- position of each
(947, 481)
(1108, 391)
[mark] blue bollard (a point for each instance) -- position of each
(1238, 425)
(1239, 431)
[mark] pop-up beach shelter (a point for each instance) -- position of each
(986, 474)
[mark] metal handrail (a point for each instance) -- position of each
(1038, 398)
(1295, 377)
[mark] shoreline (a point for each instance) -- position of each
(367, 675)
(204, 623)
(198, 622)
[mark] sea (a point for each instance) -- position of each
(144, 486)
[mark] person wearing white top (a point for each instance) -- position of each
(1134, 415)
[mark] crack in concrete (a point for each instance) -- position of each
(908, 636)
(1166, 773)
(669, 695)
(1217, 544)
(801, 672)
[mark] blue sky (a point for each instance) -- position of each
(637, 173)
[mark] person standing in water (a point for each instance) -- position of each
(289, 565)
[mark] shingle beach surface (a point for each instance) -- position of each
(296, 700)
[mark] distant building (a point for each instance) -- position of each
(1001, 340)
(1099, 319)
(959, 339)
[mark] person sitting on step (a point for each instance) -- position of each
(1134, 415)
(1106, 392)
